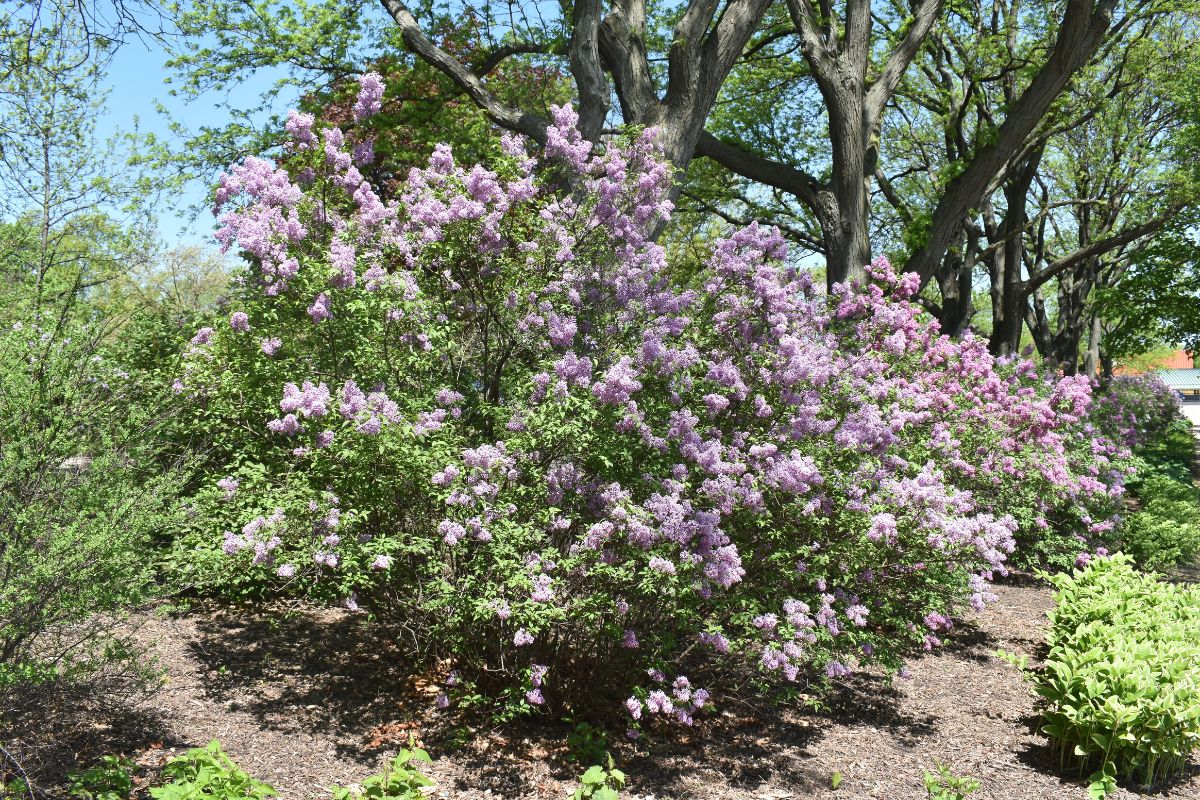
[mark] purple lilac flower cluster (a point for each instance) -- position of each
(1137, 408)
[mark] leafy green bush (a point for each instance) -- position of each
(207, 772)
(1120, 687)
(587, 744)
(81, 496)
(1163, 533)
(1164, 528)
(600, 783)
(108, 780)
(500, 414)
(400, 781)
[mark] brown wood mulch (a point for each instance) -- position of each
(311, 700)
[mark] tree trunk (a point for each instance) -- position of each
(848, 239)
(955, 281)
(1091, 361)
(1007, 309)
(1008, 289)
(1082, 30)
(1106, 367)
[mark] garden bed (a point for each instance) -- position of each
(319, 698)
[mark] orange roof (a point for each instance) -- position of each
(1180, 359)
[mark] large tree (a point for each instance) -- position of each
(65, 196)
(676, 66)
(854, 54)
(1099, 175)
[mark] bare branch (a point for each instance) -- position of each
(763, 170)
(897, 63)
(1080, 34)
(1097, 248)
(502, 114)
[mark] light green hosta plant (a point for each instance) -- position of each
(1121, 685)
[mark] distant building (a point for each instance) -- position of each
(1179, 360)
(1186, 382)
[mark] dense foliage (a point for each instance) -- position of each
(1160, 527)
(490, 408)
(207, 773)
(81, 498)
(1121, 685)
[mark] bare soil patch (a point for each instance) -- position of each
(318, 698)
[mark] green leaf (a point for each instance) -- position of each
(593, 775)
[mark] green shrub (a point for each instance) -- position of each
(1121, 685)
(82, 494)
(1165, 529)
(206, 772)
(400, 781)
(600, 783)
(587, 744)
(1165, 533)
(1170, 453)
(108, 780)
(574, 469)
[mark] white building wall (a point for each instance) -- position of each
(1192, 412)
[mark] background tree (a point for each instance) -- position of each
(84, 484)
(1156, 300)
(670, 67)
(68, 201)
(1120, 119)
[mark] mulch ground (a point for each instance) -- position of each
(319, 698)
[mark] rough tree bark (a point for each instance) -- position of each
(1007, 261)
(705, 47)
(838, 57)
(1083, 27)
(609, 54)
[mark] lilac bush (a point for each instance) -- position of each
(1137, 409)
(493, 410)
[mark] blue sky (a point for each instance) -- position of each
(136, 80)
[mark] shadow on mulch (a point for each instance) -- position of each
(744, 756)
(1185, 573)
(774, 747)
(1020, 578)
(1039, 756)
(741, 752)
(336, 672)
(307, 671)
(60, 728)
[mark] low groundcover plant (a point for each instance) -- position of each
(1120, 688)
